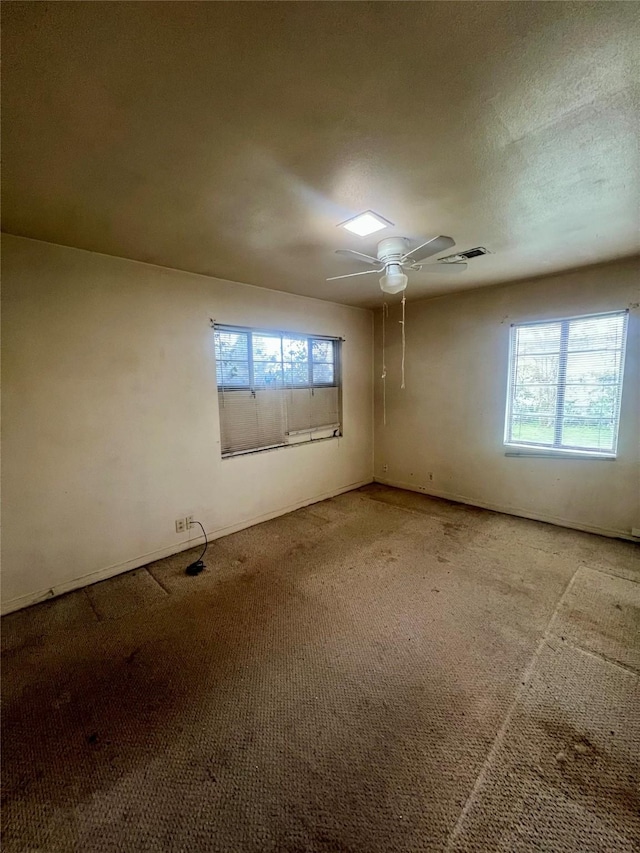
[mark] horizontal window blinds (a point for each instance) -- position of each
(566, 383)
(251, 420)
(275, 389)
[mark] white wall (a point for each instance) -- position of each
(111, 430)
(110, 414)
(449, 421)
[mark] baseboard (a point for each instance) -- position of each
(509, 510)
(168, 551)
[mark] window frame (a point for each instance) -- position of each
(558, 449)
(251, 385)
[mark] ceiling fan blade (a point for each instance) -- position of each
(435, 244)
(358, 256)
(446, 269)
(351, 274)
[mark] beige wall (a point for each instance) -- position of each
(444, 432)
(110, 427)
(110, 419)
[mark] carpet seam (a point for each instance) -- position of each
(162, 587)
(593, 654)
(92, 606)
(497, 741)
(609, 574)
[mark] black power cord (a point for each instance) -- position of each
(196, 567)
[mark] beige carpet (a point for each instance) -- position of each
(379, 672)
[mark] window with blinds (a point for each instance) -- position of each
(276, 388)
(565, 383)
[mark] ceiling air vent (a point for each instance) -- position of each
(463, 256)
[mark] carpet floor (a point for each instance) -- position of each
(379, 672)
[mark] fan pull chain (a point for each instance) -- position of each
(403, 338)
(385, 314)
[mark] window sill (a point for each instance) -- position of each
(556, 453)
(241, 453)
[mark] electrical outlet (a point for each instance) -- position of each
(189, 521)
(385, 468)
(181, 525)
(430, 475)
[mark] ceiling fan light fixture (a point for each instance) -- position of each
(394, 280)
(365, 223)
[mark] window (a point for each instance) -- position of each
(565, 383)
(276, 388)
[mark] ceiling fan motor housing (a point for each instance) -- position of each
(392, 249)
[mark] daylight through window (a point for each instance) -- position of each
(276, 388)
(565, 383)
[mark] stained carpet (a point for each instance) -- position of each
(382, 671)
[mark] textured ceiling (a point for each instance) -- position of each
(231, 138)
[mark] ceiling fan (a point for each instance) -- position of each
(394, 256)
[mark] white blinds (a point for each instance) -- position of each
(250, 420)
(566, 383)
(275, 388)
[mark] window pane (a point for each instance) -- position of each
(536, 369)
(322, 351)
(535, 400)
(538, 339)
(601, 367)
(232, 345)
(267, 374)
(532, 429)
(590, 401)
(296, 373)
(295, 349)
(233, 373)
(594, 333)
(322, 374)
(588, 434)
(266, 347)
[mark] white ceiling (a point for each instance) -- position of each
(231, 138)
